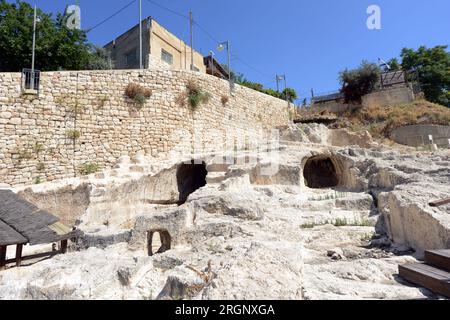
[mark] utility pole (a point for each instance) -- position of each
(211, 54)
(229, 65)
(221, 47)
(191, 23)
(140, 35)
(34, 48)
(279, 78)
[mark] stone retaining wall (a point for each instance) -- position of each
(418, 135)
(36, 145)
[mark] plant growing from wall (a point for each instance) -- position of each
(76, 109)
(37, 180)
(137, 93)
(224, 100)
(89, 168)
(73, 134)
(102, 101)
(40, 166)
(195, 95)
(25, 154)
(38, 148)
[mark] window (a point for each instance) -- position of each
(131, 58)
(166, 57)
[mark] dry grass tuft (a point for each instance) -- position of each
(224, 100)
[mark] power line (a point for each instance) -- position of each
(168, 9)
(206, 32)
(251, 67)
(111, 16)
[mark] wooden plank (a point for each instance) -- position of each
(438, 258)
(9, 236)
(440, 202)
(3, 257)
(428, 277)
(19, 249)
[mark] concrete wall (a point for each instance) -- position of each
(35, 145)
(385, 98)
(336, 106)
(181, 52)
(390, 97)
(128, 43)
(155, 39)
(417, 135)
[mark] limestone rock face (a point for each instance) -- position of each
(243, 205)
(249, 233)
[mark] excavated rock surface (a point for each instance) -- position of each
(252, 232)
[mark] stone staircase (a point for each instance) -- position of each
(433, 274)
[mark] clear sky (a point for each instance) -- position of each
(310, 41)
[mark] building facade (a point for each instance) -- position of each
(161, 49)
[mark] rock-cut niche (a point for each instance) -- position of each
(320, 173)
(190, 178)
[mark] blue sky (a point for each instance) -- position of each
(309, 41)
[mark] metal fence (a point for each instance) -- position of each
(30, 80)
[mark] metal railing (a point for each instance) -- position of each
(30, 81)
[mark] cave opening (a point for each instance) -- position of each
(159, 241)
(320, 173)
(190, 178)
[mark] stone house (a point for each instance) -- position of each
(161, 49)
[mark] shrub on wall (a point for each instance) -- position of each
(225, 99)
(89, 168)
(196, 95)
(73, 134)
(137, 93)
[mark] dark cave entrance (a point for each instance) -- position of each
(158, 241)
(319, 173)
(190, 178)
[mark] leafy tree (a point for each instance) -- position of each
(235, 76)
(394, 65)
(360, 81)
(289, 94)
(57, 47)
(100, 59)
(433, 68)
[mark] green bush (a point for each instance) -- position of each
(196, 95)
(360, 81)
(137, 93)
(73, 134)
(140, 99)
(38, 148)
(89, 168)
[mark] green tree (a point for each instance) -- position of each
(289, 94)
(57, 47)
(235, 76)
(394, 65)
(433, 68)
(360, 81)
(100, 59)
